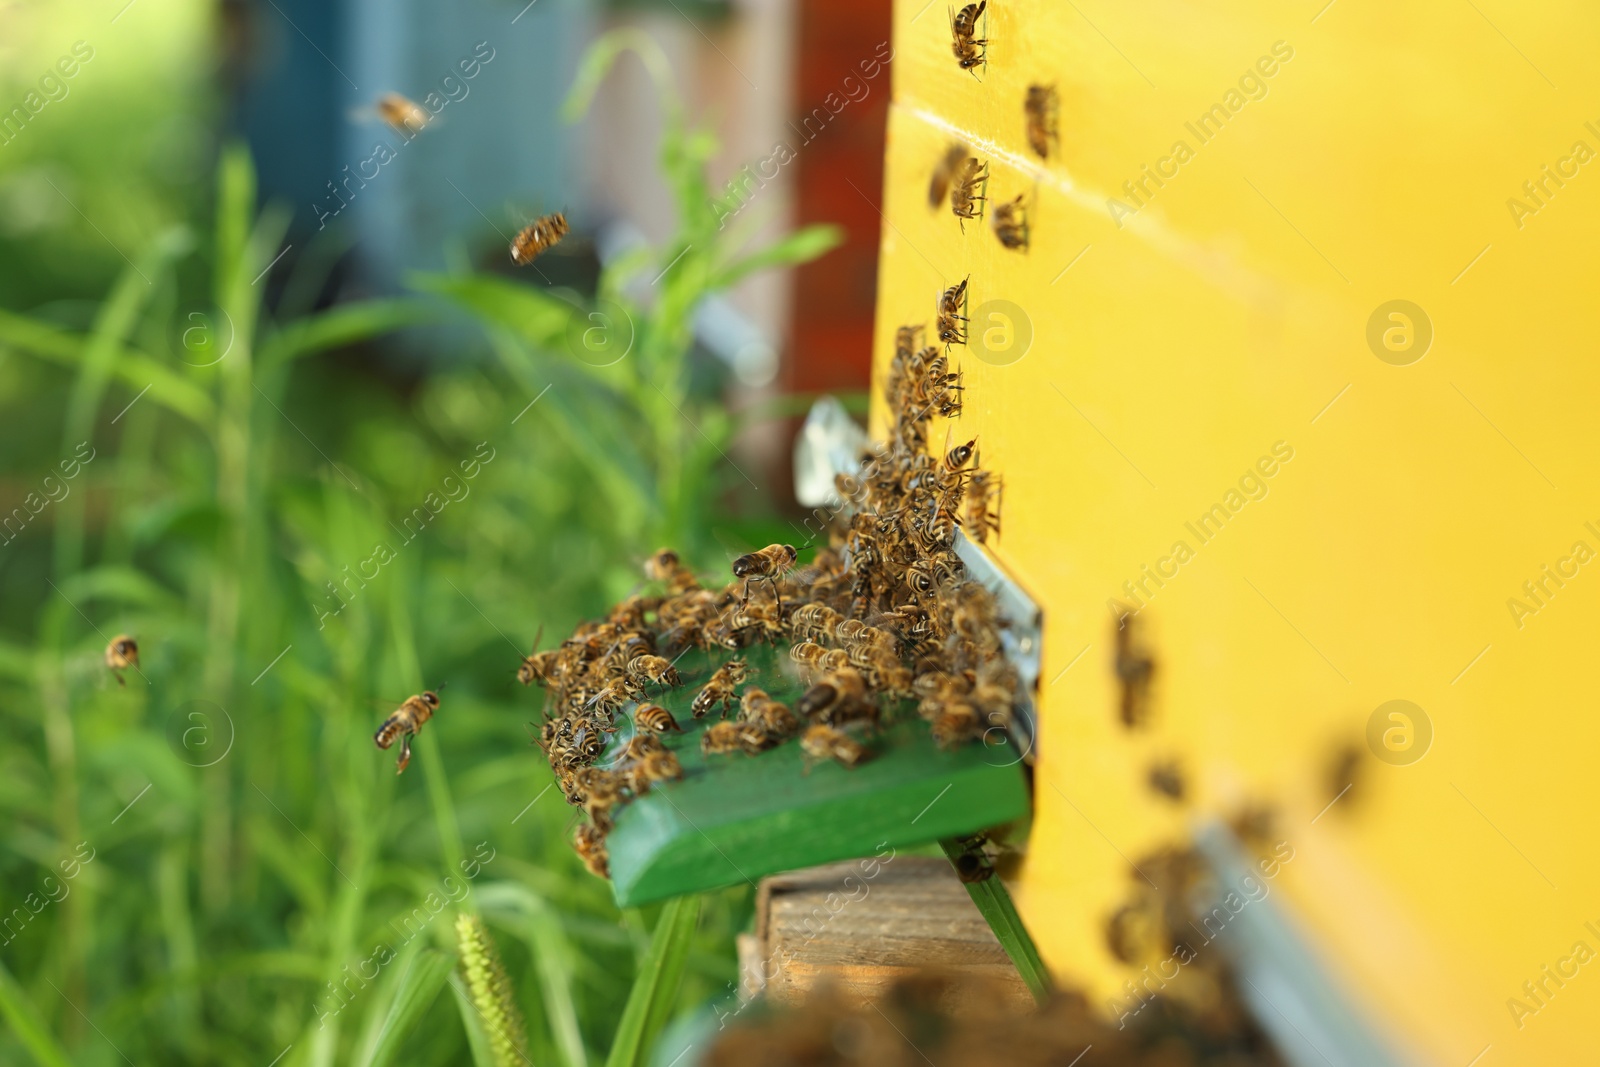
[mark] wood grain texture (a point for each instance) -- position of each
(835, 924)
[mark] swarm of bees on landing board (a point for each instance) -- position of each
(882, 616)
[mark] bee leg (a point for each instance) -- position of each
(405, 754)
(123, 682)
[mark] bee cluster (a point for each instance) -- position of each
(883, 614)
(963, 178)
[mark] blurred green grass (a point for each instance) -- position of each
(255, 862)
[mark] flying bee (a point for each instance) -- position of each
(964, 190)
(1010, 223)
(403, 116)
(654, 767)
(655, 718)
(963, 40)
(537, 236)
(765, 565)
(774, 718)
(944, 173)
(121, 654)
(984, 490)
(719, 688)
(654, 669)
(1040, 108)
(952, 302)
(823, 742)
(590, 845)
(406, 723)
(665, 567)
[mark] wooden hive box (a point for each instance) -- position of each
(1298, 367)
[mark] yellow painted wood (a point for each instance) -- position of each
(1224, 323)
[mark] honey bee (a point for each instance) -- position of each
(823, 742)
(808, 654)
(665, 567)
(984, 490)
(950, 320)
(719, 688)
(925, 576)
(654, 669)
(963, 40)
(755, 738)
(539, 666)
(590, 845)
(841, 696)
(1010, 224)
(1040, 108)
(954, 724)
(655, 767)
(655, 718)
(765, 565)
(720, 738)
(642, 745)
(604, 796)
(537, 236)
(121, 654)
(972, 863)
(1167, 779)
(1135, 668)
(944, 173)
(404, 116)
(964, 191)
(774, 718)
(815, 620)
(406, 723)
(615, 693)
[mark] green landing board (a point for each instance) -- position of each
(734, 818)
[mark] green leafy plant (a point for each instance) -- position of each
(619, 361)
(253, 852)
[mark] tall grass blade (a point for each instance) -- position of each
(477, 1040)
(24, 1020)
(656, 985)
(416, 993)
(995, 904)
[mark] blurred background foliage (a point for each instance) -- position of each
(255, 461)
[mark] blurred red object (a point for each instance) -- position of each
(840, 172)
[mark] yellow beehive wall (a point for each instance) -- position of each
(1366, 154)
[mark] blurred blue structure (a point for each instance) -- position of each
(308, 75)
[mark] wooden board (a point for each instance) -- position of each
(862, 925)
(735, 818)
